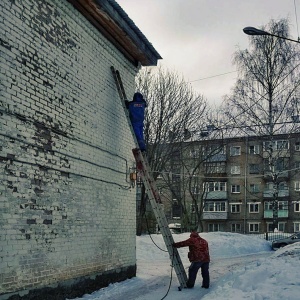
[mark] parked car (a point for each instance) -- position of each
(286, 241)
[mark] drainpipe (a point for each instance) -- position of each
(245, 185)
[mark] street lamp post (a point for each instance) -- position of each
(255, 31)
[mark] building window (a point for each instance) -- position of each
(297, 206)
(254, 188)
(195, 153)
(193, 208)
(235, 208)
(215, 186)
(281, 226)
(297, 146)
(269, 227)
(254, 149)
(253, 227)
(254, 169)
(176, 209)
(281, 145)
(216, 167)
(282, 205)
(276, 145)
(219, 206)
(296, 226)
(235, 188)
(235, 150)
(195, 190)
(213, 227)
(282, 186)
(235, 170)
(253, 208)
(297, 185)
(282, 164)
(235, 227)
(297, 165)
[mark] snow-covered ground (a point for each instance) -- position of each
(242, 267)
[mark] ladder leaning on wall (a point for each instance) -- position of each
(150, 186)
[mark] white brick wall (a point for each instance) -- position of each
(65, 149)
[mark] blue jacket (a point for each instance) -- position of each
(136, 108)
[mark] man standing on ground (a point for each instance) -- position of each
(199, 258)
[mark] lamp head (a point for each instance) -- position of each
(254, 31)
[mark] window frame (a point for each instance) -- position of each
(297, 186)
(236, 205)
(255, 150)
(296, 226)
(254, 168)
(235, 150)
(236, 225)
(236, 187)
(251, 224)
(215, 186)
(213, 225)
(212, 206)
(254, 190)
(251, 206)
(235, 170)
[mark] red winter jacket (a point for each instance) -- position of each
(198, 248)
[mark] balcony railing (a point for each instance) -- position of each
(281, 193)
(217, 157)
(215, 215)
(215, 195)
(268, 214)
(280, 174)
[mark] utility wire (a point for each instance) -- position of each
(172, 264)
(212, 76)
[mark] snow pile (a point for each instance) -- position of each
(274, 278)
(242, 267)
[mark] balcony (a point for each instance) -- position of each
(277, 153)
(280, 174)
(281, 193)
(215, 195)
(218, 157)
(215, 215)
(268, 214)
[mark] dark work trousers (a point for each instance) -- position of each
(193, 270)
(138, 128)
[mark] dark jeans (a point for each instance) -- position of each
(138, 130)
(193, 270)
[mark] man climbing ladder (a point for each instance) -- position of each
(152, 191)
(136, 109)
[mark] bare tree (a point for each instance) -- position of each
(174, 111)
(264, 101)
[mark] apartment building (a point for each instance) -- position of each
(244, 184)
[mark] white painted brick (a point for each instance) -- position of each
(71, 144)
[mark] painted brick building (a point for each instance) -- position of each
(67, 207)
(239, 184)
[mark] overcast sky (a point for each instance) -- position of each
(197, 38)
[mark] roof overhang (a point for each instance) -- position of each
(111, 20)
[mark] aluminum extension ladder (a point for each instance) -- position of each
(150, 186)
